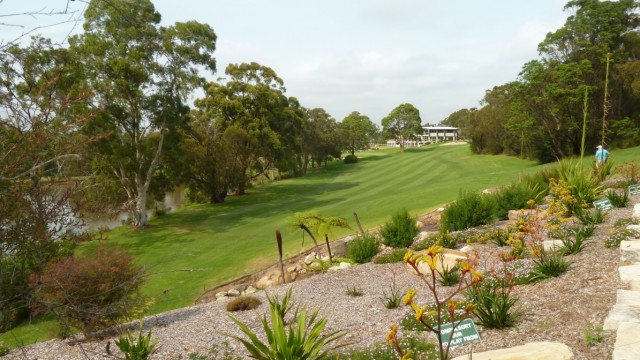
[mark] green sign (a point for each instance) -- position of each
(634, 189)
(464, 333)
(603, 204)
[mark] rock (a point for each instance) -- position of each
(467, 249)
(636, 211)
(221, 294)
(222, 298)
(620, 314)
(449, 260)
(630, 252)
(531, 351)
(629, 273)
(552, 245)
(517, 214)
(628, 297)
(634, 227)
(339, 247)
(627, 346)
(349, 238)
(292, 268)
(440, 209)
(269, 279)
(344, 265)
(249, 290)
(308, 260)
(419, 225)
(233, 292)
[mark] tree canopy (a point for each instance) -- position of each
(402, 123)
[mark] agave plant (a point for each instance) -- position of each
(302, 339)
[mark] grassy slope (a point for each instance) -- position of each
(221, 242)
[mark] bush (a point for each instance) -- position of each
(350, 159)
(400, 231)
(493, 304)
(550, 265)
(620, 234)
(618, 200)
(575, 239)
(363, 248)
(587, 217)
(303, 339)
(243, 303)
(396, 255)
(517, 195)
(421, 349)
(138, 347)
(469, 210)
(93, 291)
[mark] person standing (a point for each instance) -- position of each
(601, 155)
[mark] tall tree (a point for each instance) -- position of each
(142, 74)
(320, 140)
(41, 93)
(402, 123)
(357, 131)
(267, 124)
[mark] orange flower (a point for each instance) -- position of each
(408, 298)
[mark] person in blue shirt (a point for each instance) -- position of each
(601, 155)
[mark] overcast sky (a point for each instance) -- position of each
(357, 55)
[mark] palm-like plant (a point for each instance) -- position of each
(323, 226)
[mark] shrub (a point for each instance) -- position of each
(4, 349)
(593, 335)
(136, 348)
(575, 239)
(449, 276)
(587, 217)
(304, 337)
(494, 304)
(243, 303)
(618, 200)
(93, 291)
(396, 255)
(469, 210)
(400, 231)
(620, 234)
(550, 265)
(350, 159)
(517, 195)
(581, 186)
(363, 248)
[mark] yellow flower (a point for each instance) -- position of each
(451, 305)
(465, 267)
(420, 312)
(392, 335)
(476, 277)
(407, 256)
(408, 298)
(434, 250)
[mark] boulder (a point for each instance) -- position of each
(531, 351)
(419, 225)
(627, 346)
(552, 245)
(308, 260)
(467, 249)
(449, 259)
(636, 211)
(517, 214)
(233, 292)
(249, 290)
(269, 279)
(339, 247)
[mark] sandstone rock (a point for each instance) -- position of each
(292, 268)
(517, 214)
(467, 249)
(222, 298)
(634, 227)
(349, 238)
(627, 346)
(233, 292)
(221, 294)
(628, 297)
(531, 351)
(440, 209)
(620, 314)
(629, 273)
(269, 279)
(419, 225)
(636, 211)
(552, 245)
(344, 265)
(249, 290)
(308, 260)
(449, 259)
(339, 247)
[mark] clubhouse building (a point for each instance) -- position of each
(431, 134)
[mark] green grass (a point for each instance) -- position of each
(201, 246)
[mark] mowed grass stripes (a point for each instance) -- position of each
(201, 246)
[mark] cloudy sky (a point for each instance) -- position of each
(355, 55)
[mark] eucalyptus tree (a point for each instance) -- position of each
(267, 125)
(357, 132)
(142, 74)
(321, 140)
(41, 96)
(402, 123)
